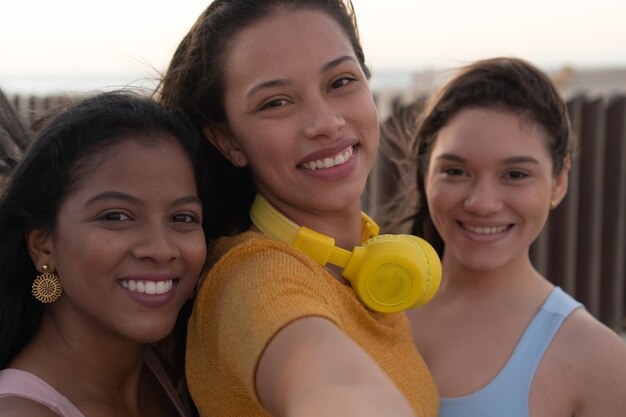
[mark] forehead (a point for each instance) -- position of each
(488, 131)
(285, 38)
(131, 152)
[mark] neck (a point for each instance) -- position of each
(345, 229)
(459, 281)
(83, 363)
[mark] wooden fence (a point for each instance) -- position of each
(35, 109)
(583, 247)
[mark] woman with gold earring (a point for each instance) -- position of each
(102, 242)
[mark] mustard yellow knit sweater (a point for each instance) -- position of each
(255, 287)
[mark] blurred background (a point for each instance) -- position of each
(70, 45)
(52, 50)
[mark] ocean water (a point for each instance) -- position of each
(40, 85)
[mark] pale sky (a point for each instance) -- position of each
(44, 39)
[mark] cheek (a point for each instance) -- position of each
(368, 118)
(194, 252)
(441, 199)
(260, 142)
(434, 194)
(436, 203)
(535, 204)
(80, 250)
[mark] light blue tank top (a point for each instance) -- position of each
(508, 393)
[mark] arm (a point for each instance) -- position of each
(602, 358)
(311, 368)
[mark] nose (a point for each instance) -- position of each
(322, 119)
(483, 198)
(157, 244)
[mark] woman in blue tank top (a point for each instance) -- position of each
(494, 151)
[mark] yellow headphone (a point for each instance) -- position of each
(389, 273)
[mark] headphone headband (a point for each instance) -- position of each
(318, 246)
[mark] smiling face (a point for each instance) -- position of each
(128, 245)
(489, 187)
(300, 113)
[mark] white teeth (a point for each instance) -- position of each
(148, 287)
(486, 230)
(329, 162)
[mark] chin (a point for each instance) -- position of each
(483, 265)
(153, 333)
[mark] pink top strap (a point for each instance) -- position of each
(16, 383)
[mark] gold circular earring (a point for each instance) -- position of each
(553, 204)
(47, 286)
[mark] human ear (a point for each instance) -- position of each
(560, 182)
(41, 248)
(224, 141)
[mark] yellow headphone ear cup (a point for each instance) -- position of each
(434, 269)
(391, 273)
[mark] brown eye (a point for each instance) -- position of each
(341, 82)
(516, 175)
(185, 218)
(453, 172)
(115, 216)
(274, 103)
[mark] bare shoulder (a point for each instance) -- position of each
(590, 340)
(594, 359)
(19, 406)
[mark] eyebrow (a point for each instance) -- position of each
(520, 160)
(336, 62)
(451, 157)
(266, 84)
(116, 195)
(111, 195)
(281, 83)
(506, 161)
